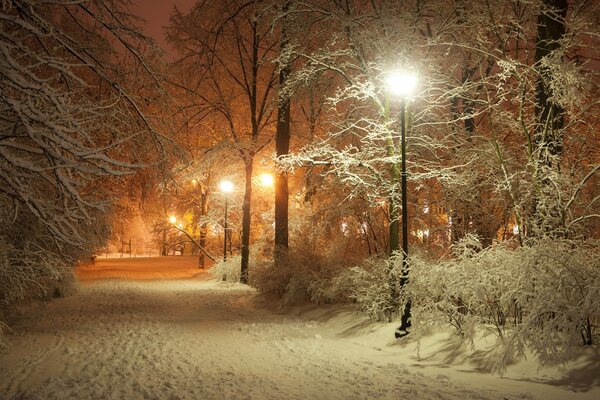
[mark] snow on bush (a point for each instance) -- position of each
(300, 276)
(30, 272)
(228, 270)
(372, 286)
(543, 297)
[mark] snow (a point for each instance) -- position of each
(191, 337)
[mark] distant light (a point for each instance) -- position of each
(515, 230)
(266, 180)
(194, 182)
(402, 83)
(172, 219)
(226, 186)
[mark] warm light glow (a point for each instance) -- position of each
(172, 219)
(266, 180)
(194, 182)
(402, 84)
(515, 230)
(226, 186)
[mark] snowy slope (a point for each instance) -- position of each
(196, 338)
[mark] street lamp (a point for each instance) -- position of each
(403, 84)
(266, 180)
(225, 187)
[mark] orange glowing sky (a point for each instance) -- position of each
(157, 13)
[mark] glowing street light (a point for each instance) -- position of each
(172, 219)
(266, 180)
(403, 84)
(226, 187)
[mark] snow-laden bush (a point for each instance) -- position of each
(32, 272)
(372, 286)
(298, 277)
(543, 297)
(227, 271)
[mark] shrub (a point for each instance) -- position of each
(544, 297)
(371, 286)
(227, 271)
(31, 272)
(302, 275)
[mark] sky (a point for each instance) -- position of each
(157, 13)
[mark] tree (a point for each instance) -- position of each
(282, 141)
(69, 125)
(67, 114)
(232, 89)
(464, 141)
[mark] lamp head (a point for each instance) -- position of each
(226, 186)
(402, 83)
(266, 180)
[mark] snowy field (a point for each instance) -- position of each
(131, 333)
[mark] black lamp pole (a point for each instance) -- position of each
(405, 320)
(404, 202)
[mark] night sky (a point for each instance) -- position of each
(157, 13)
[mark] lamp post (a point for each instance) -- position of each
(403, 84)
(225, 187)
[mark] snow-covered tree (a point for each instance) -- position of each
(69, 120)
(482, 146)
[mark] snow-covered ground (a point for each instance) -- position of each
(190, 337)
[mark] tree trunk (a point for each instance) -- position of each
(551, 29)
(282, 147)
(203, 229)
(282, 144)
(163, 246)
(394, 230)
(246, 221)
(548, 141)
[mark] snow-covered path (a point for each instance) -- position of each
(200, 339)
